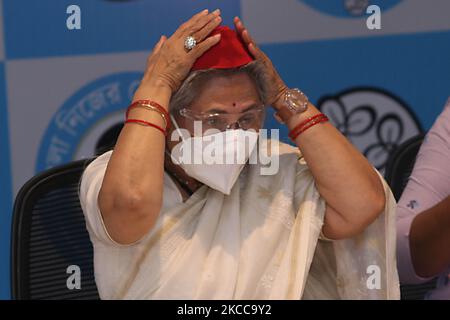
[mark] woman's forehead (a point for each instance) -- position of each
(236, 92)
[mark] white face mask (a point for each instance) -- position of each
(217, 159)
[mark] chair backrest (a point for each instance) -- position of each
(108, 139)
(398, 170)
(401, 163)
(49, 236)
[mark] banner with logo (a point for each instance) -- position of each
(378, 86)
(381, 81)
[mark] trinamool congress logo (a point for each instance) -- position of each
(84, 117)
(349, 8)
(374, 120)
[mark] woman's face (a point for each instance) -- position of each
(233, 100)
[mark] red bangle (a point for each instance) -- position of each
(299, 128)
(308, 123)
(313, 123)
(153, 104)
(306, 127)
(146, 123)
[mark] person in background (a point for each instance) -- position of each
(423, 213)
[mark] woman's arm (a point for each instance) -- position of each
(429, 240)
(131, 194)
(130, 198)
(350, 186)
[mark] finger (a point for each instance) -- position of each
(255, 51)
(204, 46)
(159, 44)
(246, 36)
(238, 24)
(242, 30)
(206, 30)
(192, 20)
(157, 48)
(198, 16)
(202, 22)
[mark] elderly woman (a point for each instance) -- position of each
(322, 226)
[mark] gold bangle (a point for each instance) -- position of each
(152, 108)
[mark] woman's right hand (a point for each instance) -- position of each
(169, 63)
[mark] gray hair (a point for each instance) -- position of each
(189, 88)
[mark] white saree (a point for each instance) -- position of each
(260, 242)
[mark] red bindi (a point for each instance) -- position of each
(234, 104)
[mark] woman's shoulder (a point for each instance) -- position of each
(283, 153)
(98, 164)
(94, 170)
(277, 160)
(102, 159)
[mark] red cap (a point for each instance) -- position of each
(229, 52)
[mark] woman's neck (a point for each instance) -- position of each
(185, 184)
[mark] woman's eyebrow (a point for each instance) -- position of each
(253, 106)
(215, 111)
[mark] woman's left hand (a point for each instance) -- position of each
(277, 86)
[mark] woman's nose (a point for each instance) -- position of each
(234, 125)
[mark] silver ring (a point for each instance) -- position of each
(189, 43)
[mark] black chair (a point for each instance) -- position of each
(108, 139)
(401, 163)
(49, 235)
(398, 170)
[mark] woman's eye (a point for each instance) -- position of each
(212, 121)
(247, 119)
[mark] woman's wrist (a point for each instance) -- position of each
(279, 100)
(283, 108)
(154, 90)
(298, 118)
